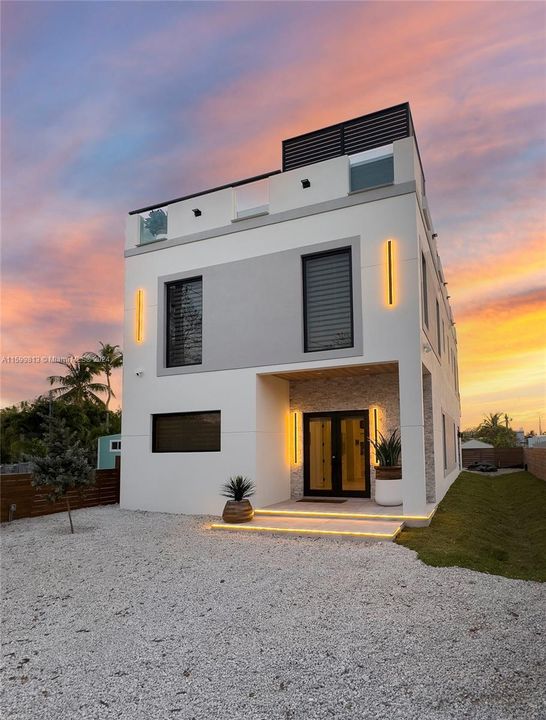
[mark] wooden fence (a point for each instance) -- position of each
(535, 461)
(31, 502)
(500, 457)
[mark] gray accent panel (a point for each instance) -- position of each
(355, 198)
(253, 311)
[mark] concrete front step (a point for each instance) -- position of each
(347, 526)
(353, 509)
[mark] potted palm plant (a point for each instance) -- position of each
(238, 508)
(388, 471)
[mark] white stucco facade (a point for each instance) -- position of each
(251, 270)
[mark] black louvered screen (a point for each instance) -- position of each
(184, 322)
(364, 133)
(312, 148)
(186, 432)
(328, 300)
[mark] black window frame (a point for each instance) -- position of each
(438, 329)
(424, 289)
(155, 416)
(180, 281)
(444, 441)
(347, 250)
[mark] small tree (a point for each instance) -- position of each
(156, 222)
(64, 466)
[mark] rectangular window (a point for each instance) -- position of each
(438, 331)
(372, 173)
(458, 446)
(186, 432)
(328, 300)
(444, 440)
(444, 335)
(424, 289)
(115, 445)
(184, 319)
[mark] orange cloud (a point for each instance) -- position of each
(502, 360)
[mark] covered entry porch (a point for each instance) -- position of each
(335, 412)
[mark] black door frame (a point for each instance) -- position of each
(336, 490)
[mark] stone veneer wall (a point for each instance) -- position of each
(344, 393)
(430, 474)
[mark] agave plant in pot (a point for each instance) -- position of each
(238, 508)
(388, 471)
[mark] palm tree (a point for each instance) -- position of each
(77, 386)
(109, 358)
(491, 421)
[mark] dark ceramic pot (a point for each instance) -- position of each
(388, 472)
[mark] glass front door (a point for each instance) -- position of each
(336, 454)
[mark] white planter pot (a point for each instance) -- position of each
(388, 492)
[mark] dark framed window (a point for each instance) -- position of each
(424, 289)
(438, 329)
(444, 440)
(186, 432)
(184, 322)
(328, 300)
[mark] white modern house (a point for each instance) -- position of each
(276, 324)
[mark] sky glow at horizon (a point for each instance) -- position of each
(112, 106)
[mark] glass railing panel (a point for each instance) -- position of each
(153, 225)
(372, 173)
(252, 198)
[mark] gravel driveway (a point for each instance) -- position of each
(147, 616)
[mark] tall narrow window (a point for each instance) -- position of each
(444, 440)
(424, 289)
(328, 300)
(438, 330)
(184, 319)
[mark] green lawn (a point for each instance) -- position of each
(491, 524)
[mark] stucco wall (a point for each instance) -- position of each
(350, 393)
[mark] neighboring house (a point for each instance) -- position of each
(274, 325)
(108, 451)
(475, 445)
(520, 437)
(536, 441)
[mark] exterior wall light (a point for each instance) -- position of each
(139, 316)
(426, 348)
(295, 439)
(306, 183)
(374, 432)
(197, 212)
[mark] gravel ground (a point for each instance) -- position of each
(147, 616)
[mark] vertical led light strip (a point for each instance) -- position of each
(295, 438)
(390, 277)
(375, 420)
(139, 316)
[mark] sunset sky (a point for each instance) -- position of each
(111, 106)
